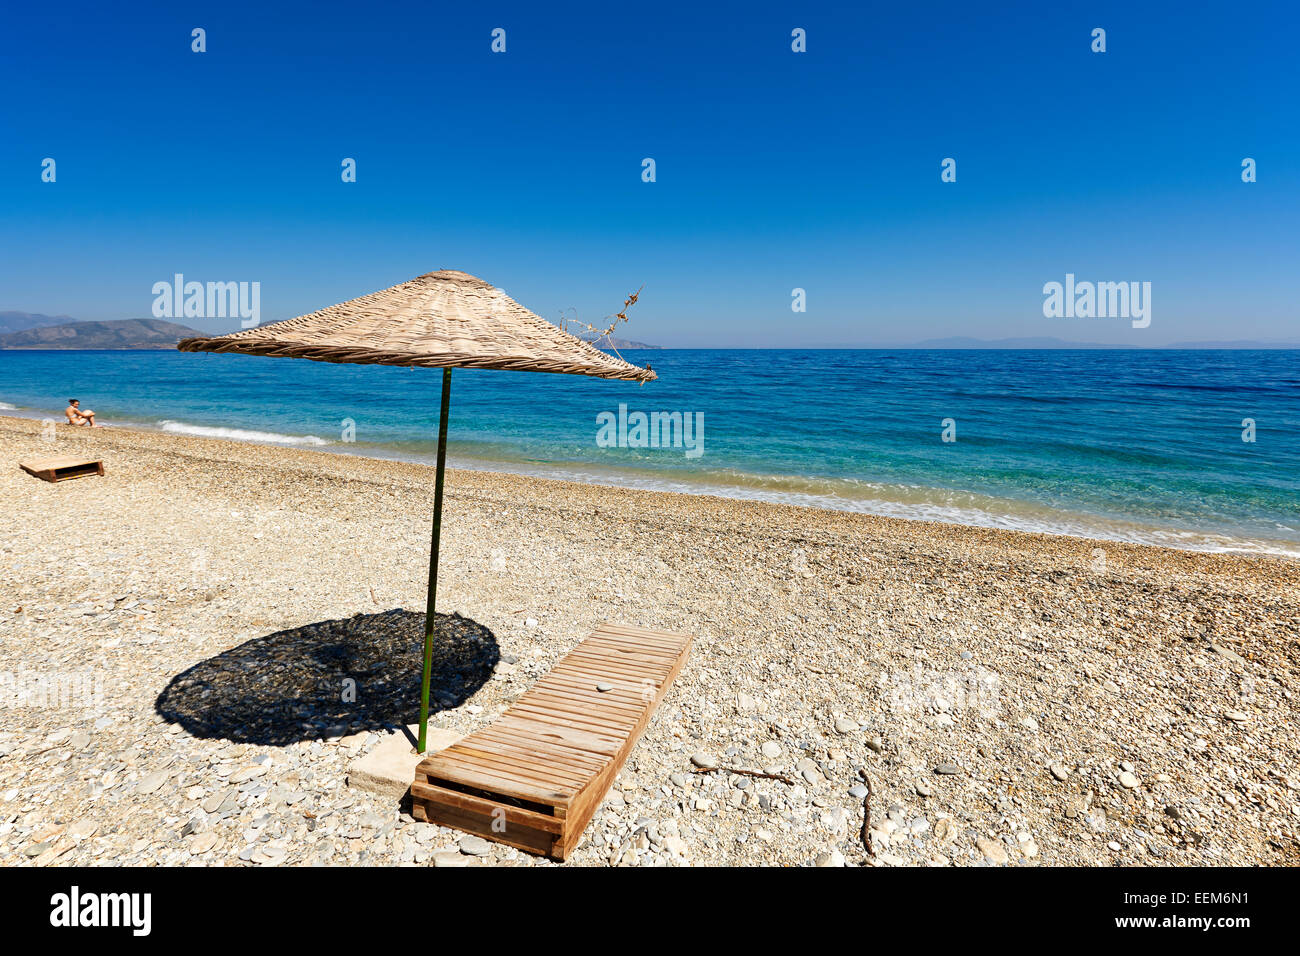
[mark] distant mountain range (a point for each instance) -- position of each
(18, 321)
(118, 334)
(610, 342)
(33, 330)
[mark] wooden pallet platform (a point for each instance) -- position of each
(533, 777)
(63, 468)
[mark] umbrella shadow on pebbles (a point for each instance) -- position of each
(330, 678)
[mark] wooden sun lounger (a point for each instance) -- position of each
(62, 468)
(533, 777)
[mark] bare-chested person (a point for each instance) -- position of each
(79, 416)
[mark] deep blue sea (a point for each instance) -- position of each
(1131, 445)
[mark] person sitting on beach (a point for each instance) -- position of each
(79, 416)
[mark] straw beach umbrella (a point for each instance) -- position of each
(443, 320)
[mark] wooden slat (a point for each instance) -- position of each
(564, 767)
(559, 727)
(590, 664)
(560, 705)
(571, 762)
(544, 749)
(614, 655)
(600, 653)
(638, 635)
(595, 698)
(557, 748)
(433, 804)
(623, 643)
(505, 782)
(579, 752)
(605, 670)
(626, 693)
(465, 801)
(567, 699)
(550, 777)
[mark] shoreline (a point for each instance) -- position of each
(1016, 698)
(1051, 522)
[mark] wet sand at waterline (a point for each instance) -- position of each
(1014, 698)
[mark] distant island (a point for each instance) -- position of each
(1047, 342)
(116, 334)
(33, 330)
(610, 342)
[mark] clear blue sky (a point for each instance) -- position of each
(775, 169)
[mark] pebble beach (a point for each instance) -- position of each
(174, 634)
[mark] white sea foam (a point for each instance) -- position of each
(921, 504)
(6, 407)
(240, 434)
(896, 501)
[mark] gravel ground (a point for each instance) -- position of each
(175, 638)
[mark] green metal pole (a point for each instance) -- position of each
(433, 562)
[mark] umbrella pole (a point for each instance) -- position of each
(429, 618)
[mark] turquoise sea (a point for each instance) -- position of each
(1141, 446)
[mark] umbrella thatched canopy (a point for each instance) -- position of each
(443, 320)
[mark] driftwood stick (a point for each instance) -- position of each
(743, 773)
